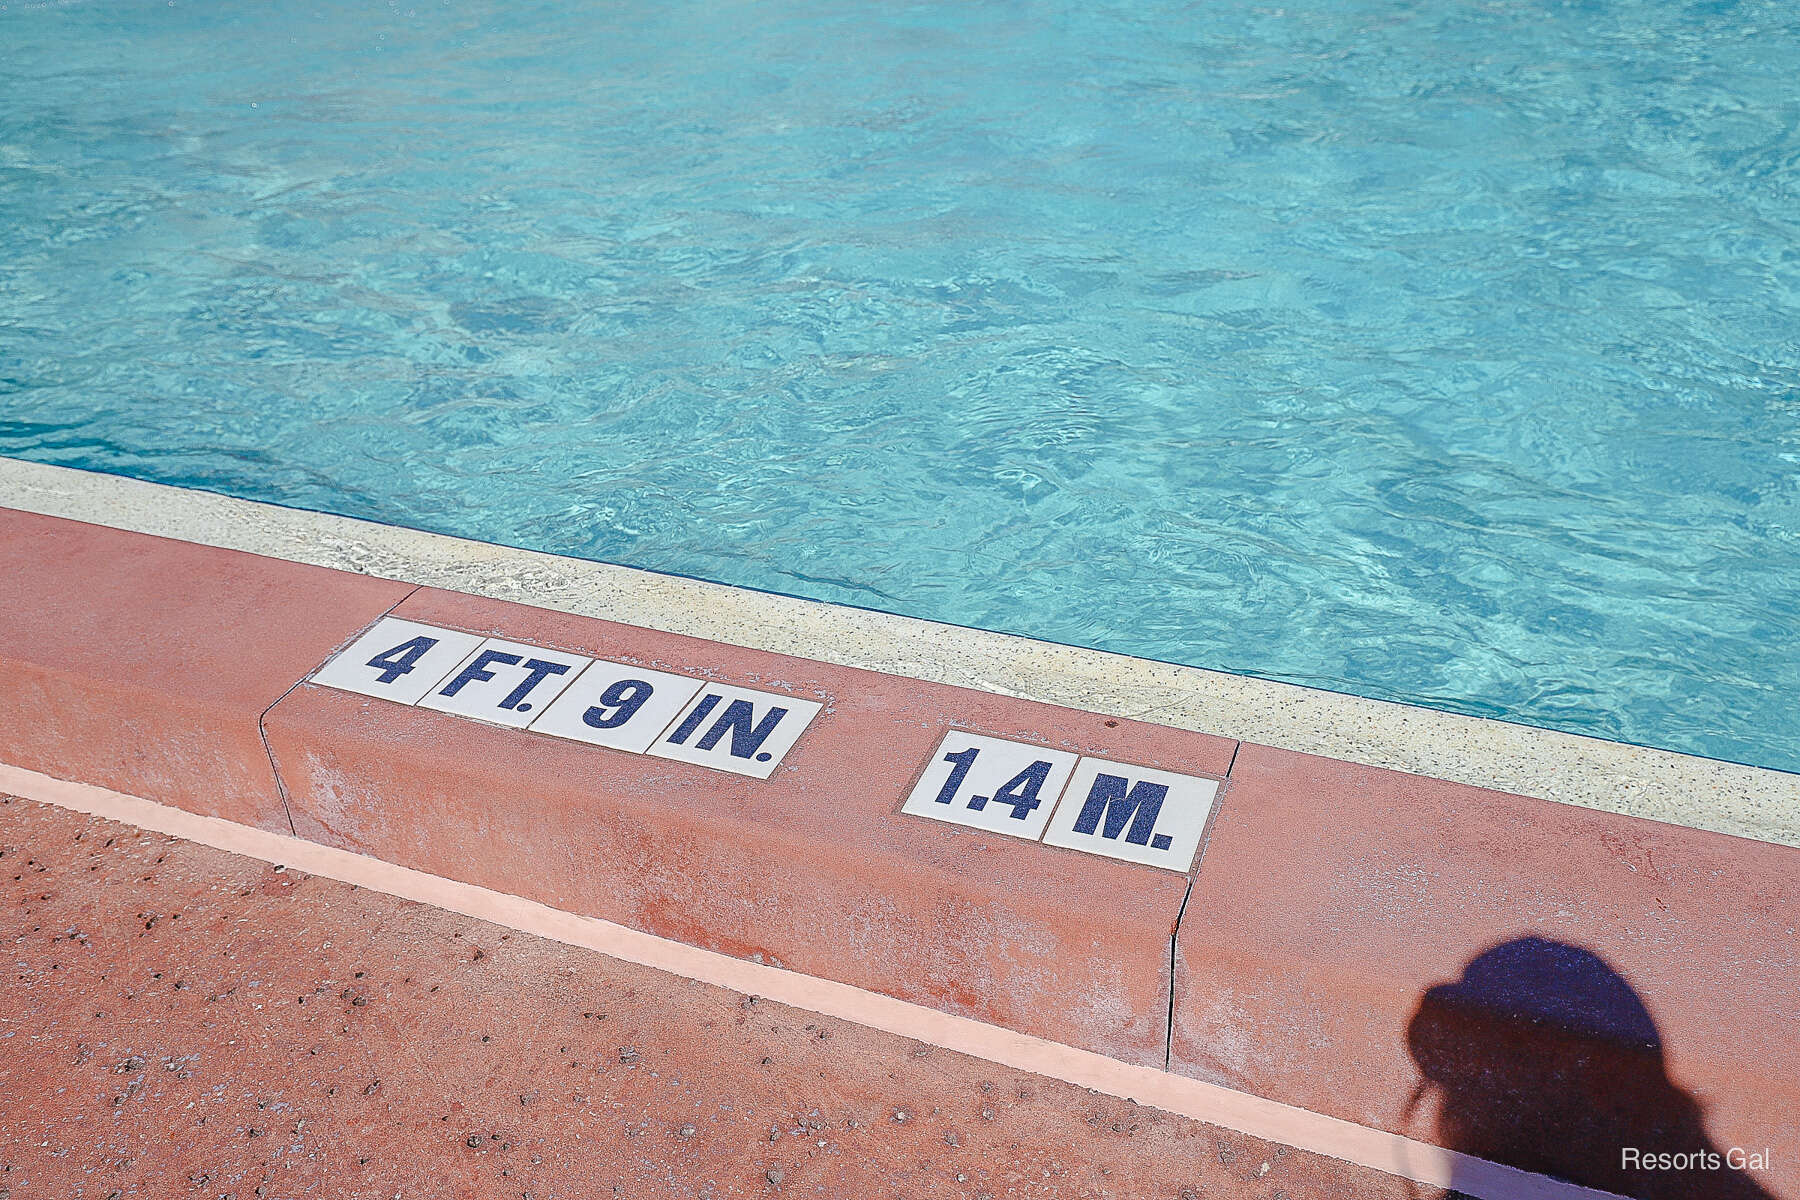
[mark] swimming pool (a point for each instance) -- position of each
(1442, 353)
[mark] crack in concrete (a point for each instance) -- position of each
(281, 790)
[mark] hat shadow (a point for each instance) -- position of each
(1544, 1058)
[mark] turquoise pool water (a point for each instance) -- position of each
(1445, 352)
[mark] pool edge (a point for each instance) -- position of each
(1660, 785)
(153, 665)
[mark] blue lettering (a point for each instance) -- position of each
(687, 727)
(537, 671)
(402, 658)
(960, 764)
(624, 697)
(1108, 798)
(745, 737)
(1021, 791)
(477, 670)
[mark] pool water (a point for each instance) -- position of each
(1443, 352)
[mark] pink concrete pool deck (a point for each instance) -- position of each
(1405, 980)
(187, 1022)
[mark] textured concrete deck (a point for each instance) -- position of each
(178, 1021)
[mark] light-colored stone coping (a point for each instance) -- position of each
(1661, 785)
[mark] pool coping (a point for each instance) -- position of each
(1616, 777)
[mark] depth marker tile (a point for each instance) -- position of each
(990, 783)
(1138, 814)
(735, 729)
(618, 705)
(397, 660)
(506, 683)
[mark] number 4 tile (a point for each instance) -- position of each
(397, 660)
(1137, 814)
(990, 783)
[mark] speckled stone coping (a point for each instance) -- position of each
(1656, 784)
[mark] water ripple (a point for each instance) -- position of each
(1438, 353)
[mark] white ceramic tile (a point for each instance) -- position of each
(988, 783)
(505, 683)
(1134, 813)
(737, 730)
(617, 705)
(397, 660)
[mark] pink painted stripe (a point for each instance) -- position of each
(1247, 1114)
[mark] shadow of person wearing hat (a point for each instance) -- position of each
(1542, 1057)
